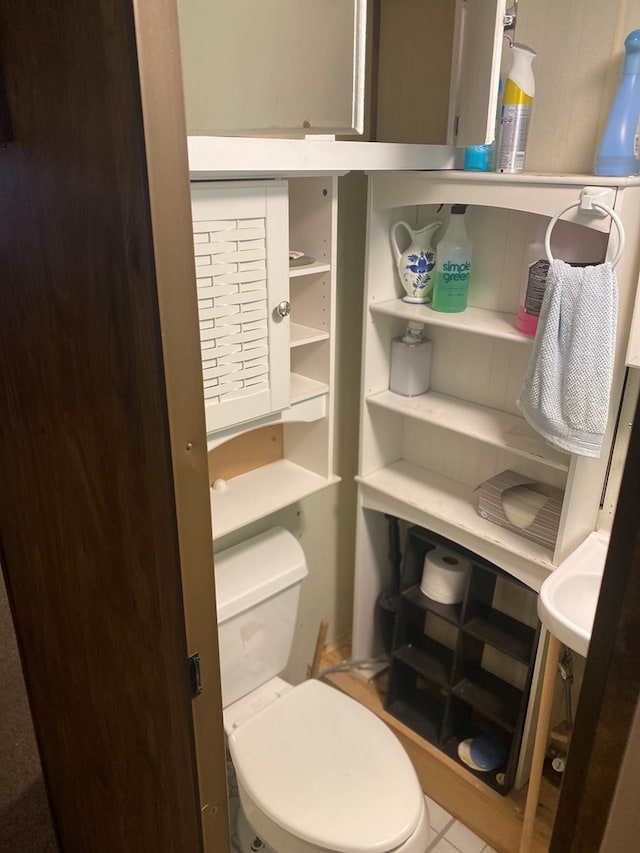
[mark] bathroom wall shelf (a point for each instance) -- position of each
(303, 388)
(476, 321)
(491, 426)
(455, 686)
(242, 237)
(301, 335)
(422, 459)
(263, 491)
(309, 269)
(425, 497)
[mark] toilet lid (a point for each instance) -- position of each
(328, 771)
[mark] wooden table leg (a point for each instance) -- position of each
(540, 742)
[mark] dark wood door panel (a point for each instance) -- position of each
(87, 512)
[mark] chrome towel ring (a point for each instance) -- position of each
(599, 206)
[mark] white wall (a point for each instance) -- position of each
(580, 46)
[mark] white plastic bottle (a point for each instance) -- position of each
(515, 114)
(569, 242)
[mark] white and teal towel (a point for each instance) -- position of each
(565, 395)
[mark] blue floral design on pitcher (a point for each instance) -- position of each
(421, 265)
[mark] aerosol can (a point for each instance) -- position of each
(515, 113)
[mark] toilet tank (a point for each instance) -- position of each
(257, 593)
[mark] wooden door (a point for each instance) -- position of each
(104, 524)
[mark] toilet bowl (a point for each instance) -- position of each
(316, 771)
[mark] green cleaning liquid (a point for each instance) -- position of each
(453, 265)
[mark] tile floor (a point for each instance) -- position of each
(448, 835)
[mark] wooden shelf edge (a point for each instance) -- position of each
(309, 269)
(475, 321)
(243, 501)
(522, 559)
(514, 435)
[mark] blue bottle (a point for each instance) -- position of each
(619, 152)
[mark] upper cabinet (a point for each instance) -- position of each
(283, 67)
(297, 68)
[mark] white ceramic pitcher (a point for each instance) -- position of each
(415, 264)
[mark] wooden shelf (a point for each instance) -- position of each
(309, 269)
(427, 658)
(491, 696)
(419, 715)
(510, 636)
(448, 612)
(224, 156)
(491, 426)
(469, 697)
(305, 411)
(448, 508)
(259, 493)
(476, 321)
(303, 388)
(300, 335)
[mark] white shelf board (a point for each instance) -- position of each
(300, 335)
(306, 411)
(448, 508)
(513, 192)
(309, 269)
(491, 426)
(303, 388)
(213, 157)
(258, 493)
(477, 321)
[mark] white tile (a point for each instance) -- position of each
(488, 849)
(432, 837)
(438, 817)
(443, 846)
(463, 839)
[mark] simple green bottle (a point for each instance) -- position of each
(453, 265)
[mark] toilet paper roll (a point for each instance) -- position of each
(444, 576)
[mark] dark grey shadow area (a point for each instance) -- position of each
(25, 818)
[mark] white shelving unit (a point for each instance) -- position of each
(422, 459)
(306, 414)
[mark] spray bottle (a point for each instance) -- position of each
(515, 114)
(453, 265)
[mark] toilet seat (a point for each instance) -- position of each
(317, 767)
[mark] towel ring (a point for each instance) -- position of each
(599, 206)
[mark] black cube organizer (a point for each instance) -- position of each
(445, 692)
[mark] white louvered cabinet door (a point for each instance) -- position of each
(240, 234)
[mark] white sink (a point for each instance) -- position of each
(569, 596)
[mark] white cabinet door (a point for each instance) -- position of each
(273, 66)
(240, 236)
(475, 71)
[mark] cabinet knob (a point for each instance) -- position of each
(283, 309)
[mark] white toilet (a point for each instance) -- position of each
(316, 771)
